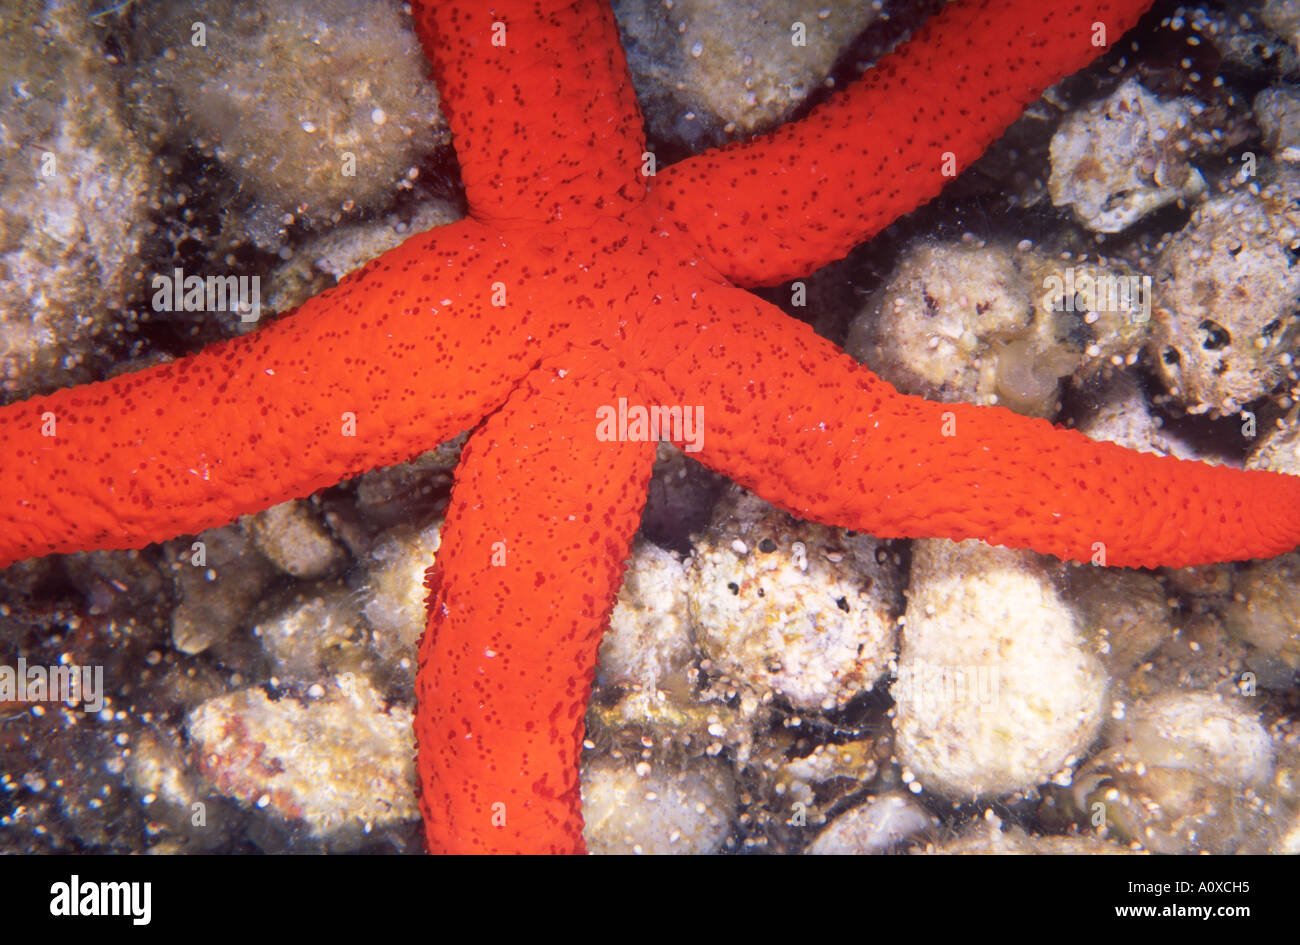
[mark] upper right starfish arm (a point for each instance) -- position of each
(790, 202)
(399, 357)
(843, 447)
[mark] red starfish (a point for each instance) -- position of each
(577, 282)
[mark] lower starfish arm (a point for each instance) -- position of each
(842, 447)
(397, 358)
(532, 555)
(790, 202)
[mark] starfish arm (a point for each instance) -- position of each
(398, 357)
(532, 555)
(791, 417)
(541, 108)
(792, 201)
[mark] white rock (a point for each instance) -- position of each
(806, 611)
(661, 809)
(997, 690)
(874, 827)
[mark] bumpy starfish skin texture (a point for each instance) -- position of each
(577, 281)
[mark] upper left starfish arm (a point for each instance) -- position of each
(540, 104)
(398, 357)
(841, 446)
